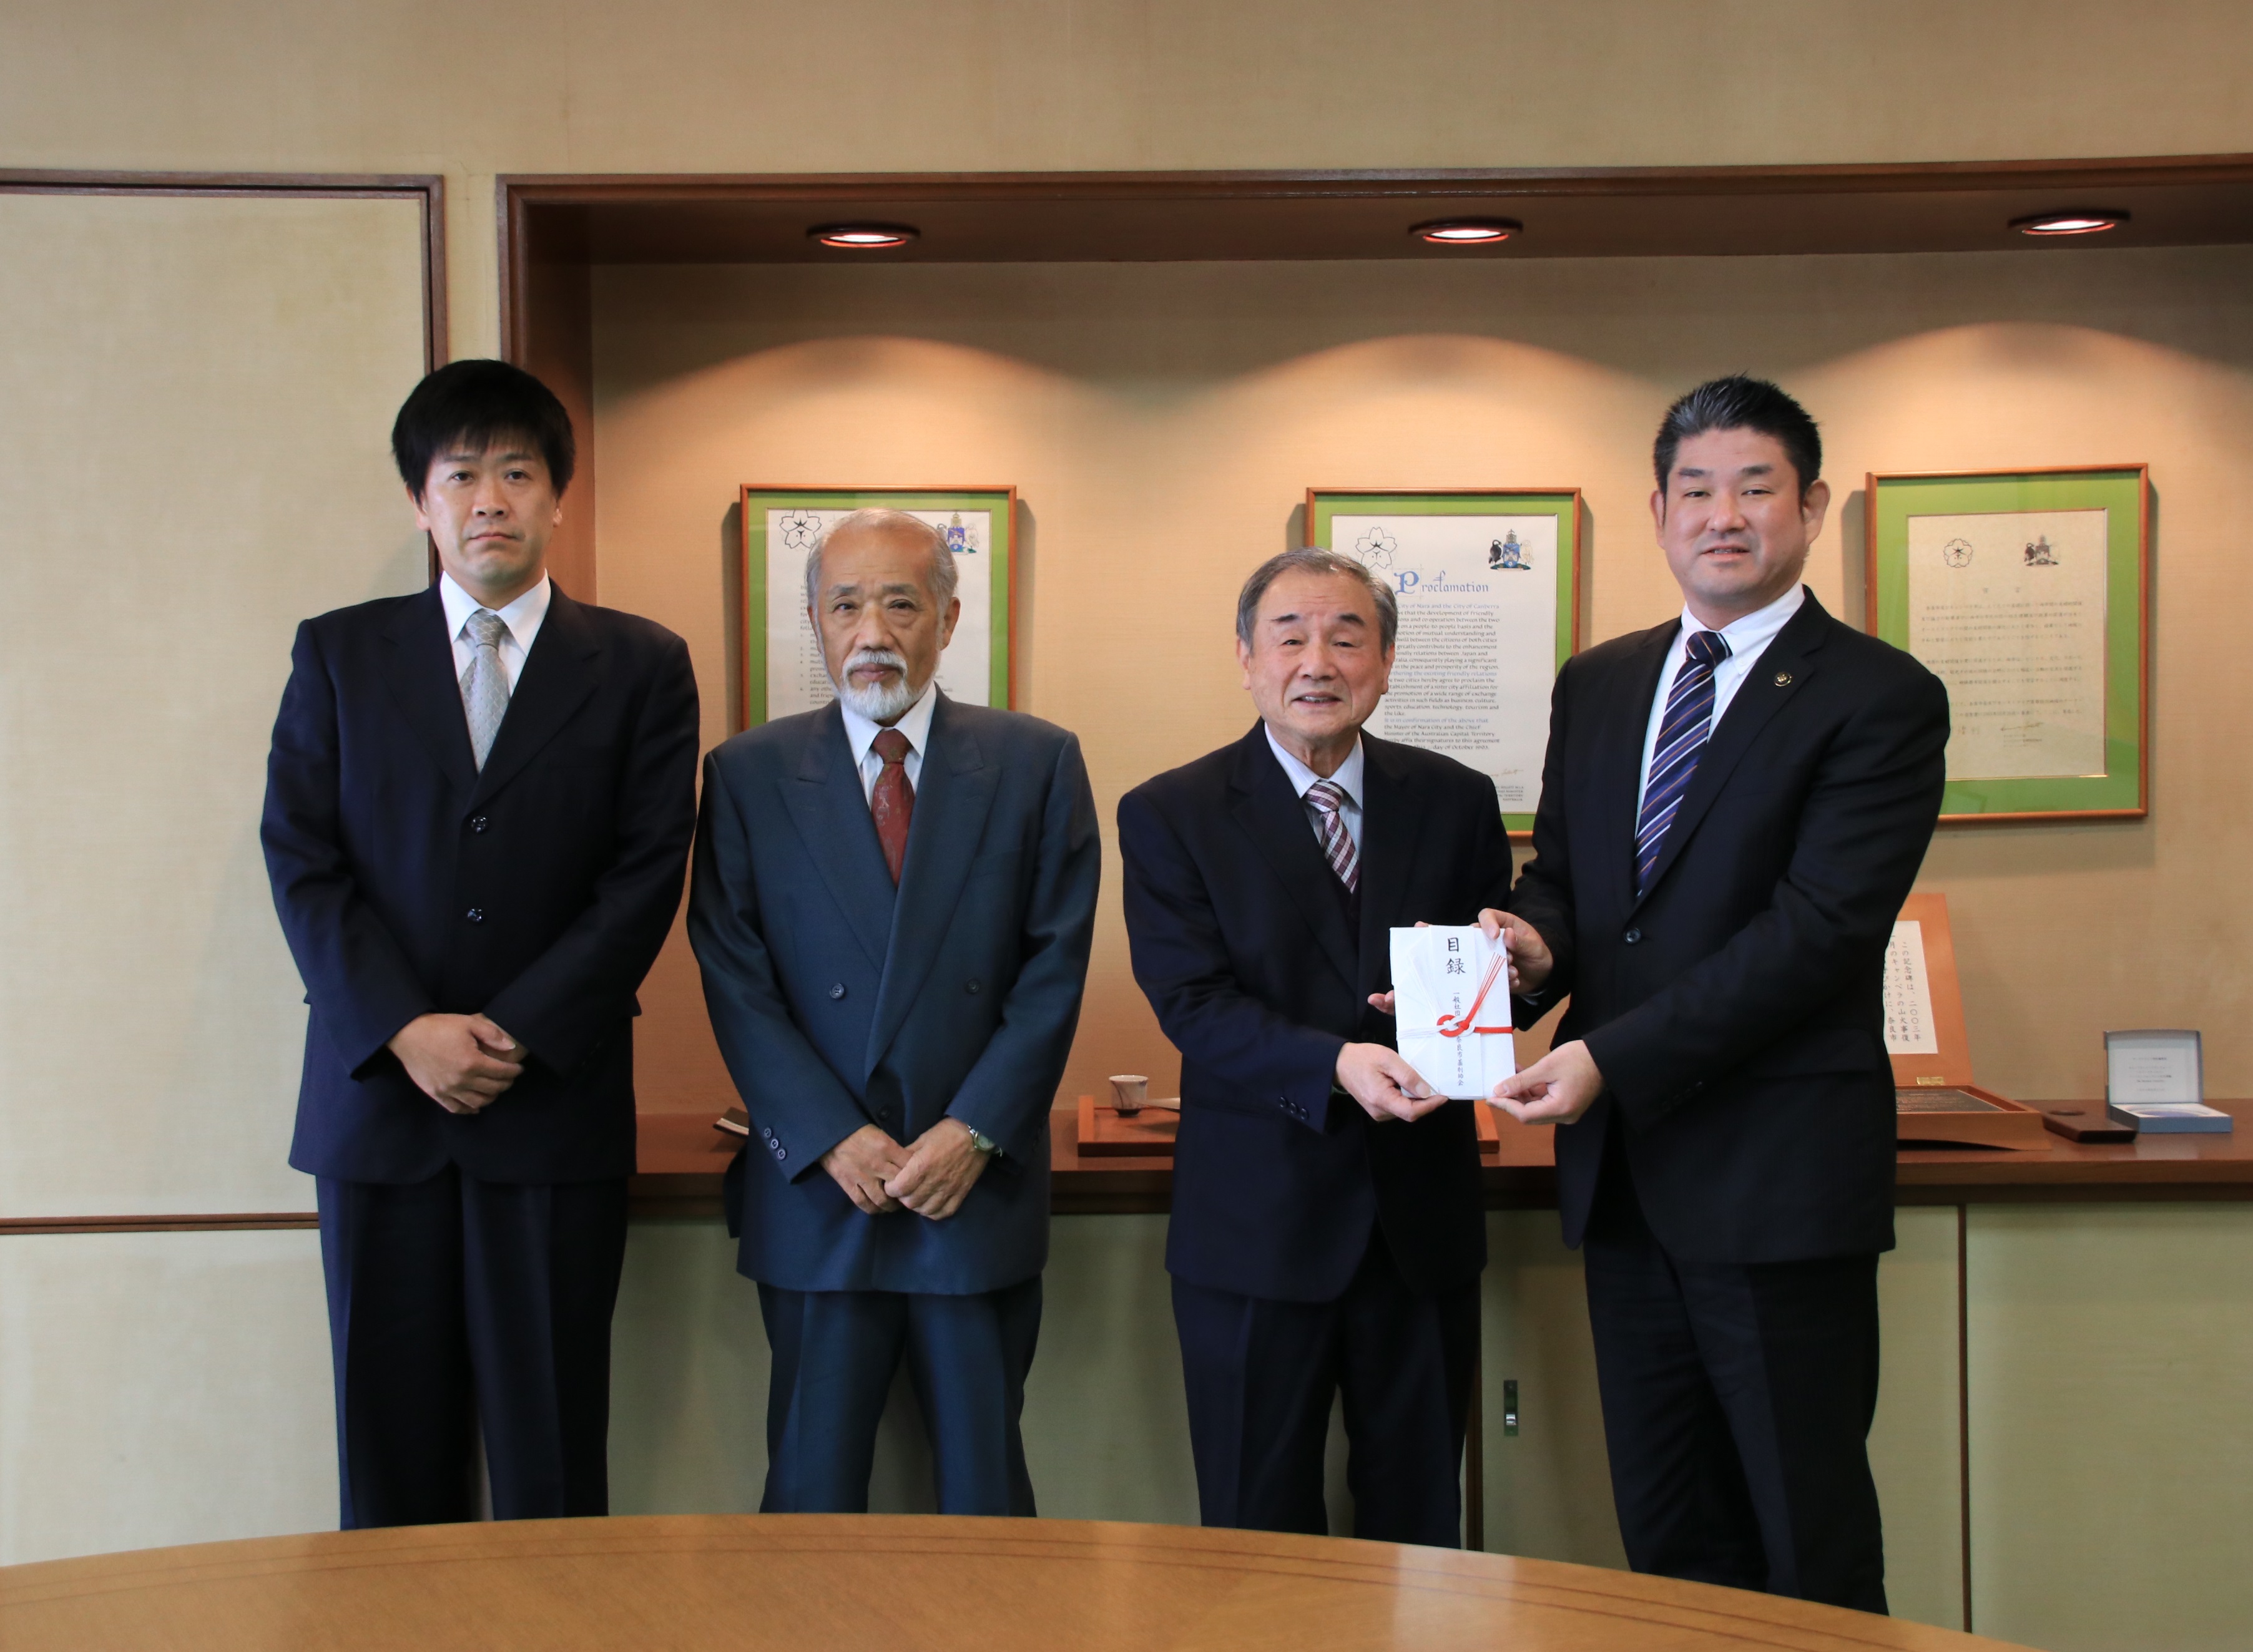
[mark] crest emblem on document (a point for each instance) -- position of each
(1507, 555)
(798, 529)
(1956, 553)
(957, 536)
(1376, 548)
(2041, 554)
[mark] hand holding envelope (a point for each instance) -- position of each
(1451, 999)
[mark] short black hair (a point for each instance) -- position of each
(1741, 402)
(472, 405)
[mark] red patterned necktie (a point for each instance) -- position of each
(892, 799)
(1326, 798)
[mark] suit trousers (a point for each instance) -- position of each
(835, 1353)
(458, 1308)
(1737, 1402)
(1261, 1375)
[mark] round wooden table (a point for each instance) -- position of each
(901, 1582)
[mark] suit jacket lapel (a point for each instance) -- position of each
(419, 669)
(830, 812)
(564, 667)
(951, 806)
(1779, 674)
(1261, 802)
(1393, 820)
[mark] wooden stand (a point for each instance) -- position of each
(1105, 1133)
(1966, 1115)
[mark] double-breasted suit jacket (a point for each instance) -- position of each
(840, 1001)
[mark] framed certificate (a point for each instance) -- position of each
(1489, 583)
(2027, 593)
(783, 668)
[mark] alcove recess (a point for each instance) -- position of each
(555, 229)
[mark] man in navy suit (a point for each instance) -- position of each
(1327, 1232)
(1733, 809)
(479, 808)
(893, 902)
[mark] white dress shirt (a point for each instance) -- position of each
(1346, 779)
(1747, 638)
(520, 621)
(915, 723)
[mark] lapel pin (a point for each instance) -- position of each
(1783, 679)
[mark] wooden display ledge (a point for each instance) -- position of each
(682, 1157)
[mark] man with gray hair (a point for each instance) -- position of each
(892, 905)
(1326, 1232)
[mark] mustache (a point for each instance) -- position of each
(882, 656)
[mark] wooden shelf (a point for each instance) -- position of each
(682, 1157)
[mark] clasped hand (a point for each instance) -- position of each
(463, 1062)
(930, 1176)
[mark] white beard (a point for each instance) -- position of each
(879, 703)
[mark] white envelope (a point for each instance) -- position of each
(1452, 1003)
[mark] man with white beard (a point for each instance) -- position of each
(892, 905)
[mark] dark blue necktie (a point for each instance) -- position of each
(1682, 738)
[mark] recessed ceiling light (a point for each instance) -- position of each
(863, 237)
(2072, 223)
(1467, 232)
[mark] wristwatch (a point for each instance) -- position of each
(981, 1140)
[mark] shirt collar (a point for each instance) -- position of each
(1755, 631)
(915, 723)
(526, 610)
(1346, 779)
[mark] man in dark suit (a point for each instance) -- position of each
(479, 807)
(1328, 1232)
(1733, 809)
(893, 902)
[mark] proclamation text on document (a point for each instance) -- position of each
(1477, 650)
(2008, 609)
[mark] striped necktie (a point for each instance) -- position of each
(1682, 737)
(1327, 799)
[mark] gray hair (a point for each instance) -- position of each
(1307, 560)
(943, 578)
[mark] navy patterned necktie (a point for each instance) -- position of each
(1682, 736)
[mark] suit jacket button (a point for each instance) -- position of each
(480, 823)
(970, 986)
(1632, 936)
(781, 1153)
(476, 915)
(837, 991)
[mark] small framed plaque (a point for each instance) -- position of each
(1489, 584)
(2027, 593)
(1934, 1100)
(783, 668)
(2155, 1079)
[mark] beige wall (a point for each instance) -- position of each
(176, 491)
(570, 86)
(1164, 422)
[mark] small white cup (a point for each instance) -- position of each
(1129, 1091)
